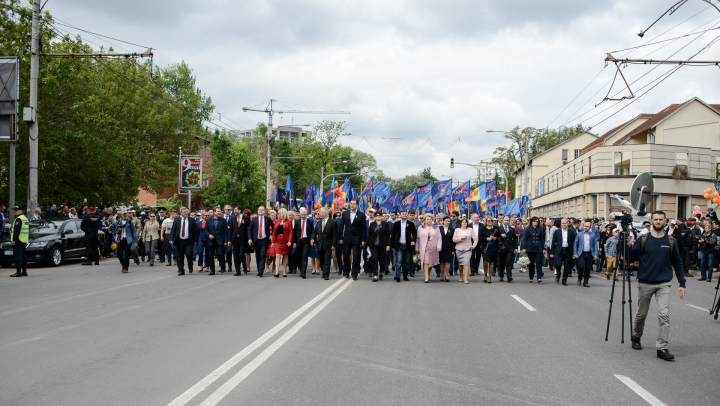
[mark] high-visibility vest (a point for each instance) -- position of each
(24, 230)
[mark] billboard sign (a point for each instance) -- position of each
(191, 173)
(9, 97)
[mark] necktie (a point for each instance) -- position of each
(183, 229)
(260, 228)
(302, 232)
(238, 221)
(322, 227)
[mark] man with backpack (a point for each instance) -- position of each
(658, 254)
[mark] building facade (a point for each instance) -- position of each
(679, 146)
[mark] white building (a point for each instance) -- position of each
(283, 133)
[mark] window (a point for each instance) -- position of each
(577, 153)
(565, 155)
(70, 227)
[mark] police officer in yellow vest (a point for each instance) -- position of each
(20, 235)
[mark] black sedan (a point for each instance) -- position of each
(51, 241)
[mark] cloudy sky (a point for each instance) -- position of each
(418, 69)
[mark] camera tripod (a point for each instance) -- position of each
(716, 303)
(625, 269)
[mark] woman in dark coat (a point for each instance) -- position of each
(490, 236)
(448, 248)
(533, 242)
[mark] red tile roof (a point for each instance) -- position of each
(656, 118)
(598, 142)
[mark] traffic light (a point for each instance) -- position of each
(452, 162)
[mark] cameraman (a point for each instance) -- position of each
(654, 278)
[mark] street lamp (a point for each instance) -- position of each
(322, 173)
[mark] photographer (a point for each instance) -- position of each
(657, 254)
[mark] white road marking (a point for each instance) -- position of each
(700, 308)
(222, 369)
(226, 388)
(640, 391)
(65, 299)
(524, 303)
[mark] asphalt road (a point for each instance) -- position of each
(79, 335)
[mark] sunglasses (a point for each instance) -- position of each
(152, 217)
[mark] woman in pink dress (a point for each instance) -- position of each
(429, 245)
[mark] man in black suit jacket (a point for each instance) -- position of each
(237, 237)
(561, 250)
(302, 231)
(507, 250)
(260, 232)
(403, 250)
(217, 236)
(184, 237)
(352, 237)
(325, 236)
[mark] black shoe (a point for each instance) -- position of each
(190, 270)
(381, 275)
(302, 276)
(531, 281)
(397, 279)
(608, 277)
(285, 276)
(354, 278)
(17, 274)
(586, 285)
(151, 264)
(181, 273)
(374, 280)
(347, 275)
(137, 262)
(494, 274)
(237, 274)
(510, 280)
(636, 343)
(277, 275)
(327, 278)
(97, 262)
(405, 278)
(557, 280)
(222, 271)
(212, 273)
(501, 280)
(665, 354)
(579, 282)
(564, 283)
(260, 274)
(87, 263)
(701, 279)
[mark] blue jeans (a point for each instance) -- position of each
(403, 260)
(203, 250)
(706, 265)
(170, 250)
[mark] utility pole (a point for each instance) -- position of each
(525, 174)
(32, 197)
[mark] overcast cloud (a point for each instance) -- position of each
(415, 69)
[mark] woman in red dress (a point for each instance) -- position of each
(282, 241)
(270, 253)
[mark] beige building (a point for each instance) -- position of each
(679, 146)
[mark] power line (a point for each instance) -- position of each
(632, 50)
(64, 23)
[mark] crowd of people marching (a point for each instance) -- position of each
(289, 242)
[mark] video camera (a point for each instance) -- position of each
(624, 218)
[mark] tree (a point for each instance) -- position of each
(106, 129)
(237, 175)
(425, 173)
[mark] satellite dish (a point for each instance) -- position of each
(641, 192)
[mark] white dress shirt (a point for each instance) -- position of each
(564, 238)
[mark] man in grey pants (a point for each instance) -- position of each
(150, 236)
(658, 256)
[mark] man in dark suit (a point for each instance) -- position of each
(367, 264)
(237, 236)
(161, 248)
(403, 245)
(561, 250)
(293, 258)
(217, 230)
(302, 231)
(389, 258)
(260, 232)
(184, 237)
(507, 250)
(338, 246)
(325, 236)
(352, 237)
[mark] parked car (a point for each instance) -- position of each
(51, 241)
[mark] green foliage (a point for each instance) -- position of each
(412, 182)
(105, 129)
(425, 173)
(237, 176)
(172, 203)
